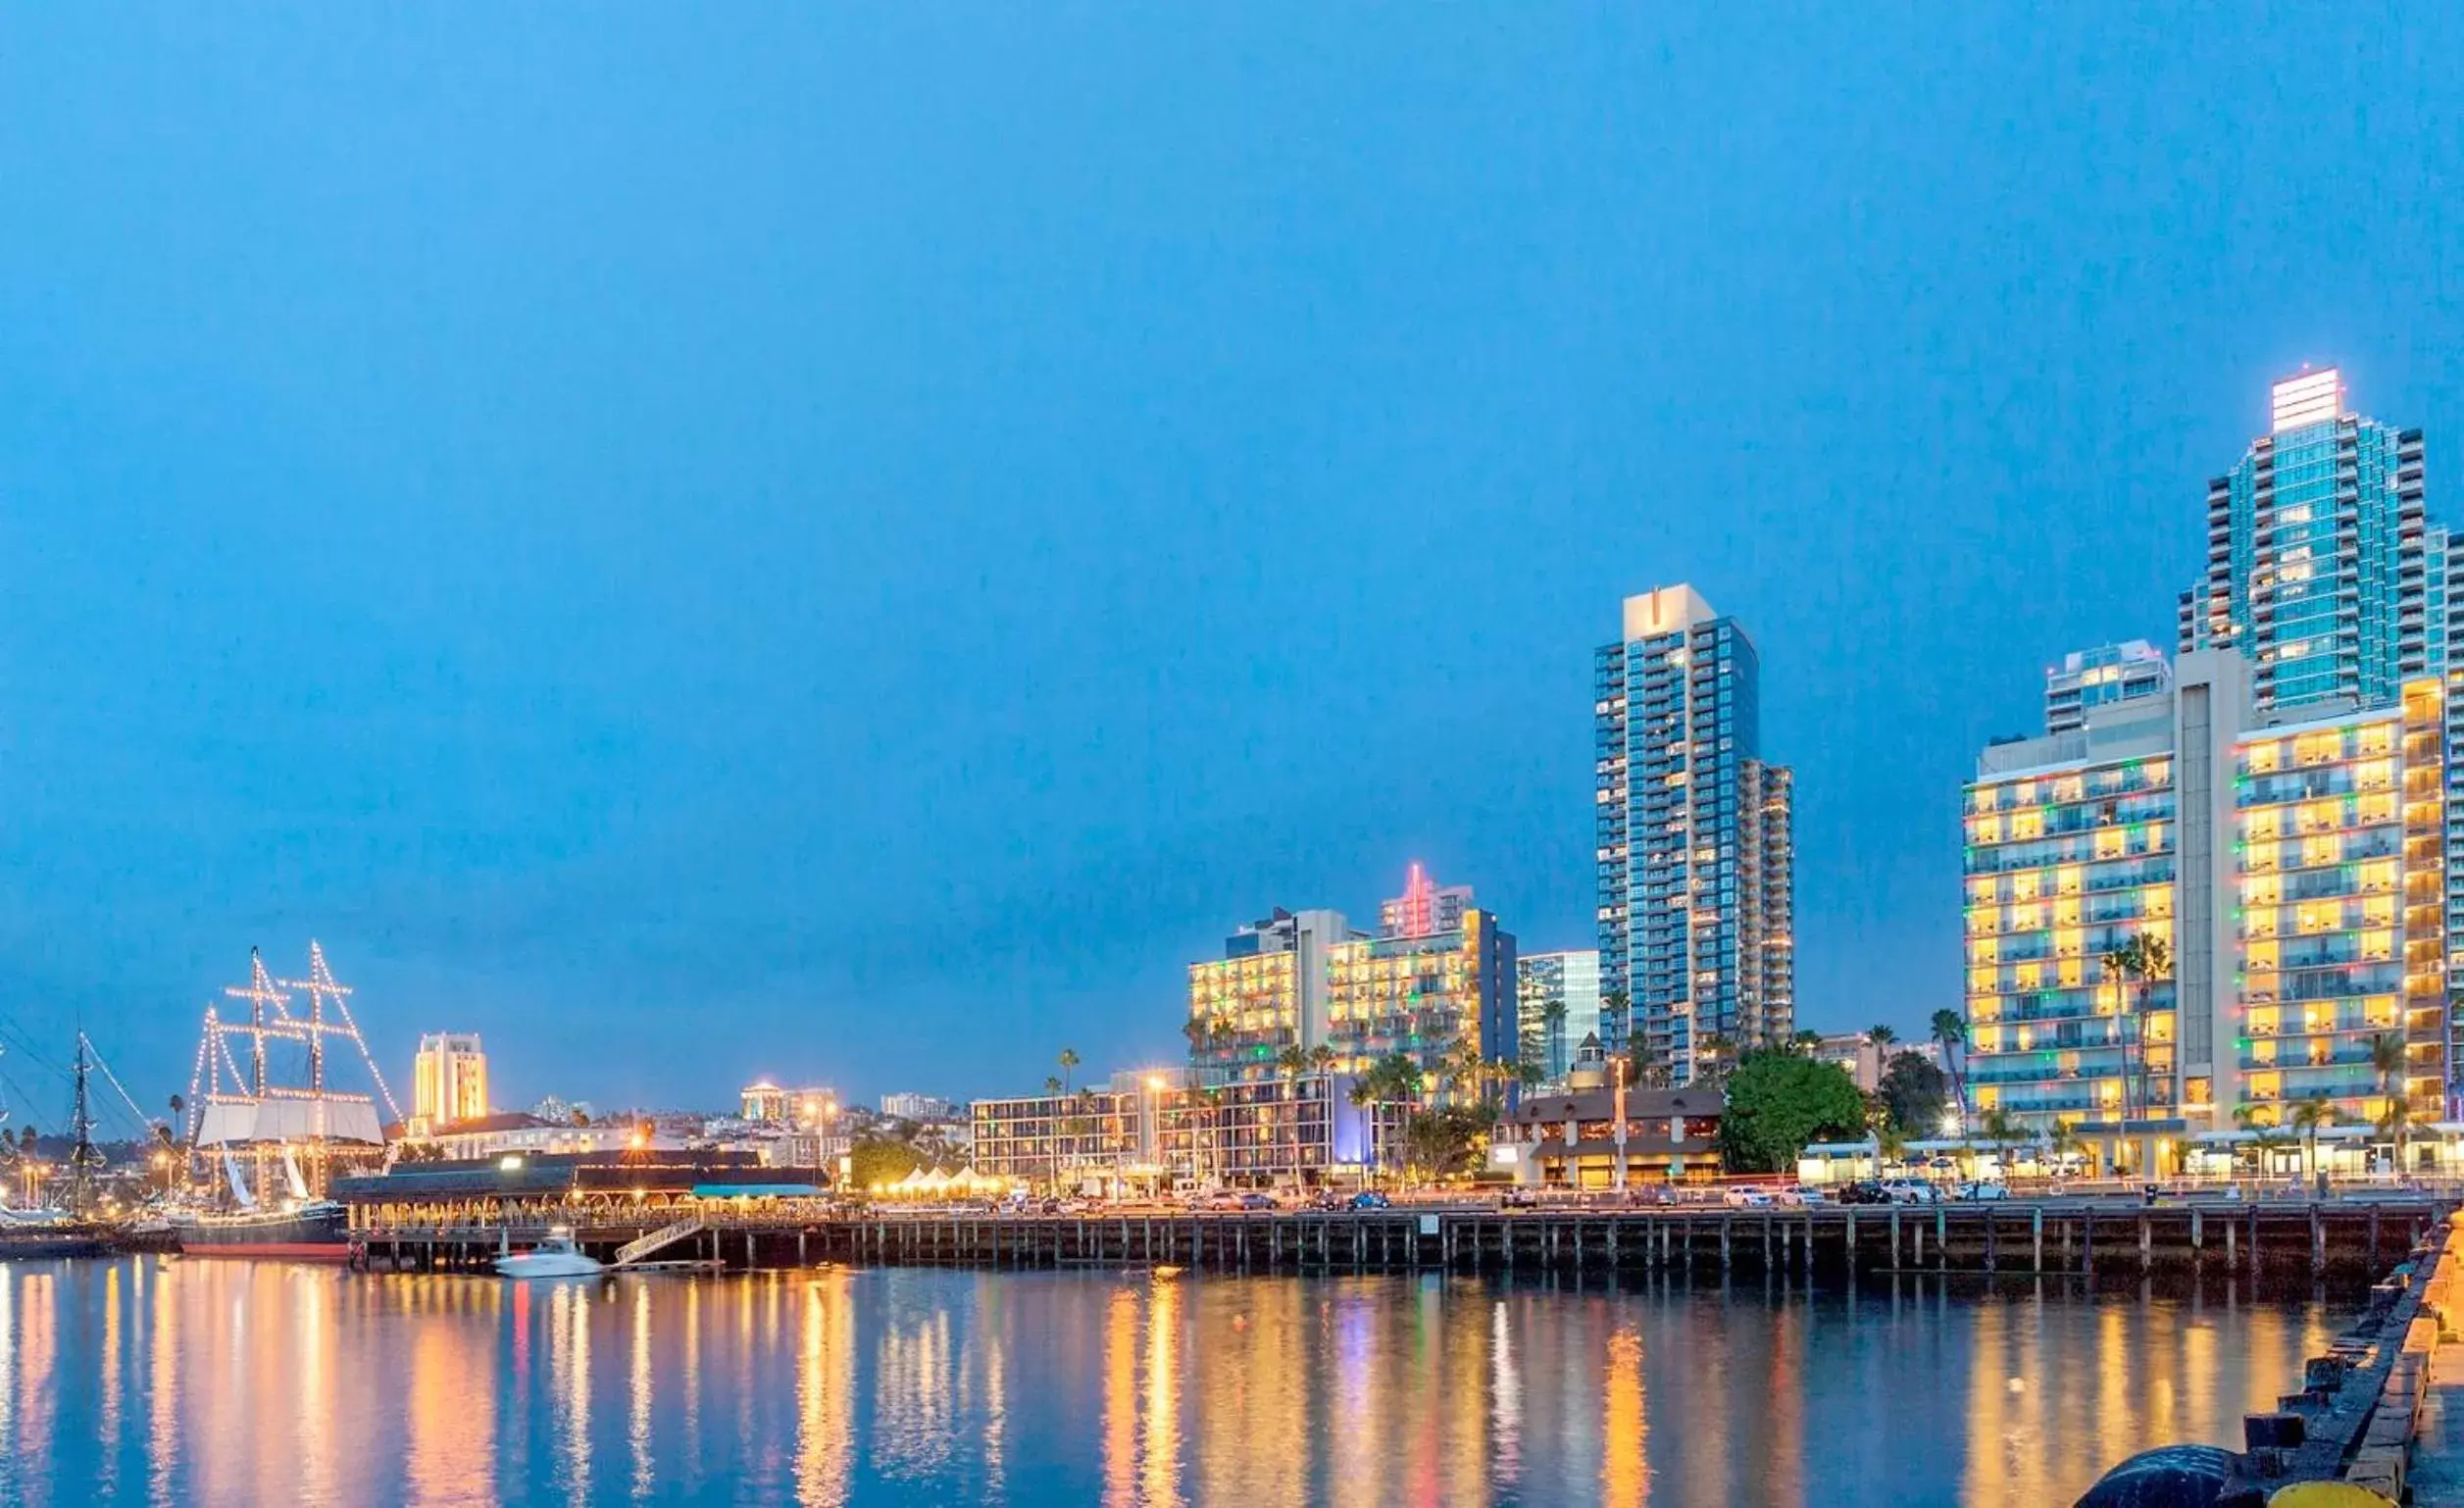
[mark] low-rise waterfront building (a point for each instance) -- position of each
(1159, 1127)
(918, 1107)
(1571, 1139)
(516, 1132)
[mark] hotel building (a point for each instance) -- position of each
(448, 1080)
(1306, 979)
(2280, 817)
(1155, 1128)
(1694, 841)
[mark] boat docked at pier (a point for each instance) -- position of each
(317, 1230)
(557, 1256)
(261, 1128)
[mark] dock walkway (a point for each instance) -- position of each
(2082, 1238)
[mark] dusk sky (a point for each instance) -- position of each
(852, 544)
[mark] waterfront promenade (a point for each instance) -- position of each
(2084, 1238)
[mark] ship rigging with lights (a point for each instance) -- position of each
(252, 1126)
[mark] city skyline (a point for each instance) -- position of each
(752, 584)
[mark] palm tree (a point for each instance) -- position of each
(2397, 1123)
(1882, 1037)
(2265, 1136)
(2307, 1118)
(2140, 961)
(1951, 1034)
(2064, 1144)
(1804, 1043)
(1199, 1033)
(2005, 1135)
(1291, 1063)
(1069, 1060)
(1391, 1080)
(2386, 1059)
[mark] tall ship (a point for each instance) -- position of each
(270, 1148)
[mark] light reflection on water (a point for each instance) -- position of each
(225, 1382)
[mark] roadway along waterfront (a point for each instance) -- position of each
(2077, 1236)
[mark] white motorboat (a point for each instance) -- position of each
(555, 1257)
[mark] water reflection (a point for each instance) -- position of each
(231, 1383)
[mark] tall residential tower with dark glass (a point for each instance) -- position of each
(2323, 567)
(1695, 847)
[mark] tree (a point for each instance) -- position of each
(1052, 1085)
(2386, 1059)
(1291, 1063)
(1199, 1033)
(1951, 1034)
(877, 1160)
(2307, 1118)
(2064, 1145)
(1393, 1079)
(1069, 1060)
(2265, 1136)
(1806, 1042)
(2396, 1124)
(1914, 1093)
(2140, 961)
(1438, 1142)
(1777, 1103)
(2001, 1132)
(1880, 1036)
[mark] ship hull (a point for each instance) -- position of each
(308, 1235)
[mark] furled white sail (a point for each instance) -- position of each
(239, 1184)
(236, 1121)
(290, 1171)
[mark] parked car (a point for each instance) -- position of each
(1258, 1202)
(1911, 1192)
(1228, 1199)
(1863, 1192)
(1747, 1198)
(1515, 1200)
(1802, 1197)
(1982, 1189)
(1370, 1199)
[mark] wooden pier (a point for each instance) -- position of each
(2082, 1238)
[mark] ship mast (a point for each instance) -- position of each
(81, 1154)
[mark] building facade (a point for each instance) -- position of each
(2282, 818)
(918, 1107)
(2094, 680)
(1695, 845)
(1572, 1137)
(1557, 1004)
(448, 1079)
(1305, 981)
(763, 1103)
(2321, 557)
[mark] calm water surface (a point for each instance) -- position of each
(227, 1382)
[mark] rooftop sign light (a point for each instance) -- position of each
(2313, 397)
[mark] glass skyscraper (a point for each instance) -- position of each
(1695, 847)
(2321, 558)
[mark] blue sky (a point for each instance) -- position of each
(852, 543)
